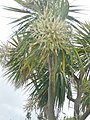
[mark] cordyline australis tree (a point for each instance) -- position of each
(82, 76)
(41, 50)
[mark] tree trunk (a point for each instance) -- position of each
(78, 99)
(51, 91)
(77, 103)
(76, 109)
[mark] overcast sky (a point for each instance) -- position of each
(11, 100)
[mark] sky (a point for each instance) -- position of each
(11, 100)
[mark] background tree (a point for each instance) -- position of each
(82, 76)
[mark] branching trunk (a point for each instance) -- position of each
(51, 91)
(78, 98)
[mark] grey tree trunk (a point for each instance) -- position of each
(76, 109)
(78, 99)
(77, 103)
(51, 91)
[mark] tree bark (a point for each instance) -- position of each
(51, 91)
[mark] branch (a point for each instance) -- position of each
(70, 98)
(76, 78)
(85, 115)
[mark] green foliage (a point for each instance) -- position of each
(71, 118)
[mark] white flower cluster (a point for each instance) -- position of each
(52, 32)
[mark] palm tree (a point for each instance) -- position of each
(40, 48)
(83, 36)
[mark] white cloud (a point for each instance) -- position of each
(11, 101)
(10, 112)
